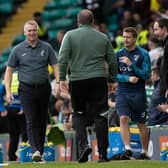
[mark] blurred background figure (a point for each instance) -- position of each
(156, 115)
(155, 49)
(42, 31)
(56, 42)
(16, 118)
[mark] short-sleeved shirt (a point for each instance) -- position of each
(32, 62)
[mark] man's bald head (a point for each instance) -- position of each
(85, 17)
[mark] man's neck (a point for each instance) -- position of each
(33, 43)
(131, 48)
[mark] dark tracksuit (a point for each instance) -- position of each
(131, 98)
(157, 117)
(16, 122)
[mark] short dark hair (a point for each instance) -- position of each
(131, 30)
(85, 16)
(163, 22)
(37, 14)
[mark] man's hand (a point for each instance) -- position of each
(163, 107)
(9, 97)
(64, 87)
(112, 87)
(133, 79)
(4, 113)
(57, 89)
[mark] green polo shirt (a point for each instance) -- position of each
(85, 51)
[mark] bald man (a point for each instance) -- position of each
(85, 51)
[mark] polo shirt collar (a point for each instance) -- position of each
(26, 44)
(85, 25)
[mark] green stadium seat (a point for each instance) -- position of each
(6, 8)
(3, 59)
(72, 12)
(112, 22)
(66, 3)
(2, 68)
(52, 34)
(17, 39)
(61, 23)
(50, 6)
(6, 52)
(4, 1)
(53, 15)
(60, 4)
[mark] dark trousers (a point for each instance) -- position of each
(90, 101)
(17, 128)
(35, 100)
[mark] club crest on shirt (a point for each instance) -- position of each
(42, 53)
(136, 56)
(24, 54)
(143, 115)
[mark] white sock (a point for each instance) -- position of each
(127, 147)
(144, 151)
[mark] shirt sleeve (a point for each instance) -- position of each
(122, 78)
(145, 70)
(63, 56)
(12, 61)
(52, 56)
(112, 62)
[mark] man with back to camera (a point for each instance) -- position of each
(32, 57)
(160, 29)
(134, 69)
(86, 51)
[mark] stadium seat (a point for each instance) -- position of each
(17, 39)
(65, 3)
(72, 12)
(4, 1)
(6, 8)
(50, 6)
(53, 15)
(52, 33)
(61, 23)
(2, 68)
(112, 20)
(5, 54)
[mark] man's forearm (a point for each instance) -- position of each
(56, 72)
(8, 78)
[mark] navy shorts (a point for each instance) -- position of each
(132, 105)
